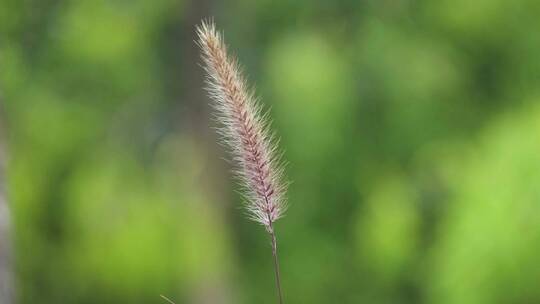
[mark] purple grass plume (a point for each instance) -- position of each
(246, 131)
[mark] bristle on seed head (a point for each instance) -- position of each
(245, 130)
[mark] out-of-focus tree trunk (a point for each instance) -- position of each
(215, 288)
(6, 279)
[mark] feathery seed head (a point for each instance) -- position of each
(245, 130)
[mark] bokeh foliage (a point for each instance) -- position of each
(411, 128)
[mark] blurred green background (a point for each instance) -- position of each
(411, 128)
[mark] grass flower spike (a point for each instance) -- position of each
(245, 130)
